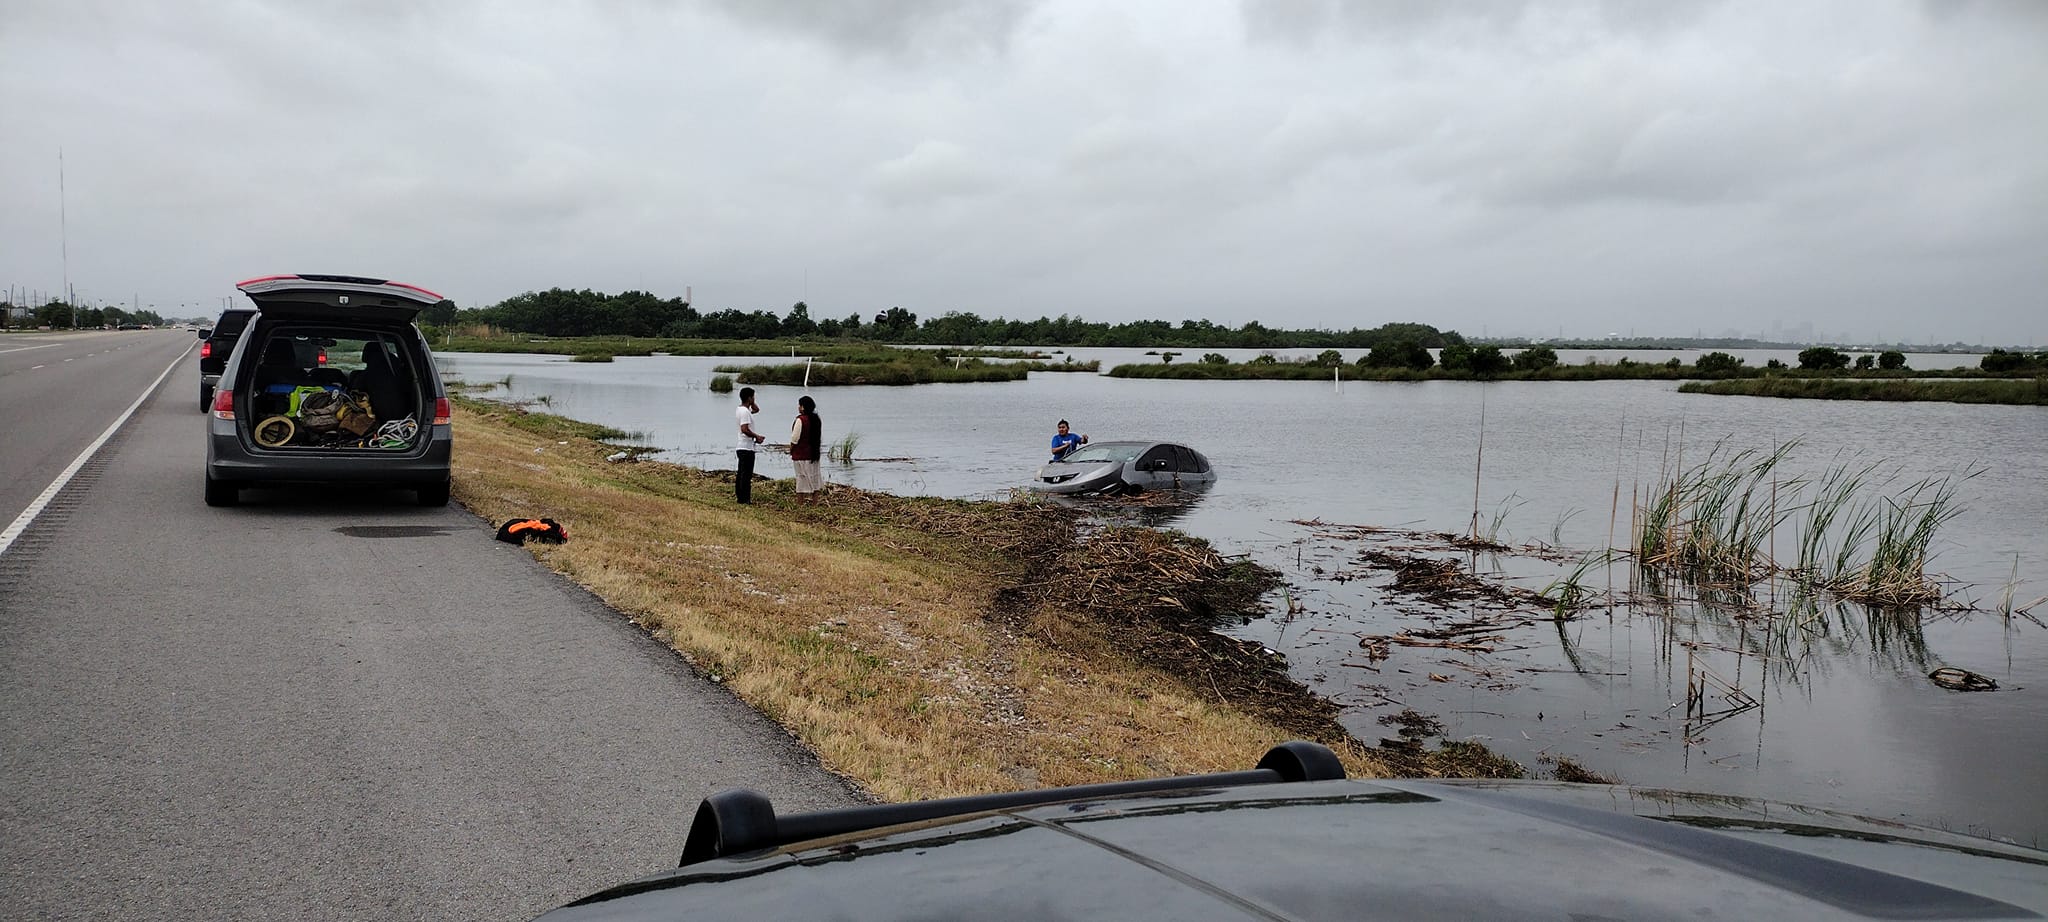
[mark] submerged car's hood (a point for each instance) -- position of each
(1364, 850)
(330, 297)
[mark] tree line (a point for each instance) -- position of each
(564, 312)
(60, 315)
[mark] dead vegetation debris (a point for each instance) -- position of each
(1445, 582)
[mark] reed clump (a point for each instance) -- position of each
(1711, 524)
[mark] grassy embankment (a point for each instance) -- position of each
(922, 647)
(2022, 392)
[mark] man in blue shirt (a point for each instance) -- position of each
(1065, 442)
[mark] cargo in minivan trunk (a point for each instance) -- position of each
(333, 388)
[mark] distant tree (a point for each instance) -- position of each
(1487, 360)
(1822, 358)
(1329, 358)
(441, 313)
(1456, 357)
(1254, 335)
(895, 323)
(54, 314)
(1399, 353)
(1775, 365)
(1717, 363)
(1263, 358)
(1215, 358)
(799, 322)
(1866, 362)
(2000, 361)
(1166, 358)
(1891, 360)
(1535, 358)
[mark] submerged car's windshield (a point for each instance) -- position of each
(1107, 451)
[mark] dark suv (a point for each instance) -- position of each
(329, 382)
(213, 352)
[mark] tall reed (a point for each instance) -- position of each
(1896, 573)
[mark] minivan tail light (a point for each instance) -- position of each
(223, 404)
(206, 350)
(440, 411)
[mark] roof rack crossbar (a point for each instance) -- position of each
(740, 820)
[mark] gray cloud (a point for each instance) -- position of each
(1512, 167)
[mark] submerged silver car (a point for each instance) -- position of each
(1126, 467)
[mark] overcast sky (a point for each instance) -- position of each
(1877, 168)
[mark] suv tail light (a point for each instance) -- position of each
(223, 404)
(323, 356)
(206, 349)
(440, 411)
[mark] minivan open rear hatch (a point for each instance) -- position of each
(336, 297)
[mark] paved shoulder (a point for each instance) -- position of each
(328, 704)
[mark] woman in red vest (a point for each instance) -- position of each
(805, 442)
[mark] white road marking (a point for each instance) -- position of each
(34, 367)
(35, 507)
(27, 348)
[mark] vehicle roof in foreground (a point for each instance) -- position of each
(1360, 849)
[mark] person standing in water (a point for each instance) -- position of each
(1064, 442)
(743, 481)
(806, 444)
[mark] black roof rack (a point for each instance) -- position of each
(740, 820)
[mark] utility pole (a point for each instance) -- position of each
(64, 238)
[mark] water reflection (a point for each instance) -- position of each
(1154, 509)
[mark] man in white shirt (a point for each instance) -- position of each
(743, 482)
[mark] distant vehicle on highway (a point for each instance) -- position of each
(329, 381)
(213, 352)
(1294, 839)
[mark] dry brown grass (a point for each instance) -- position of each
(895, 636)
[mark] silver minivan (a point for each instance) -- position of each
(330, 383)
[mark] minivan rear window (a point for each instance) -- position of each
(317, 387)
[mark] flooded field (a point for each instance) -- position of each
(1345, 490)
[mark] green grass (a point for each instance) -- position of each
(2022, 392)
(842, 450)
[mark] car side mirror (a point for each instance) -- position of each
(205, 332)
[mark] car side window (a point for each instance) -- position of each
(1185, 460)
(1160, 458)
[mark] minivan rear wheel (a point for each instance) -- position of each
(222, 492)
(434, 494)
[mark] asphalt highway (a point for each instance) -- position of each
(322, 704)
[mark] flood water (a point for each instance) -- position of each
(1846, 715)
